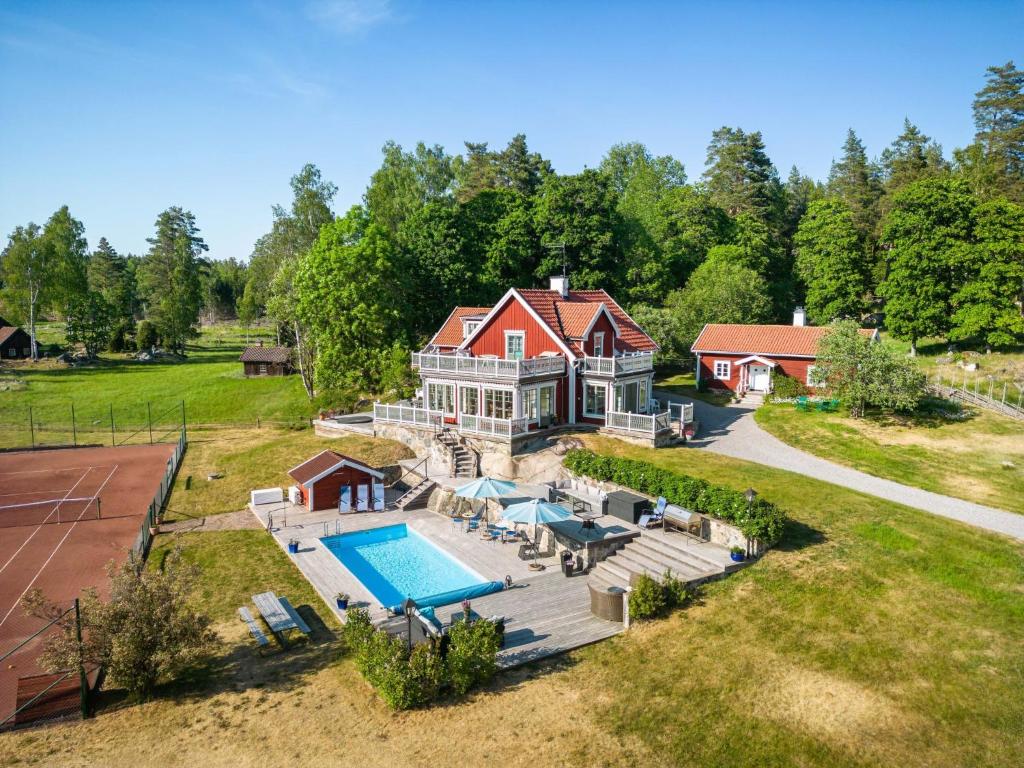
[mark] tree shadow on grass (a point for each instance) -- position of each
(797, 535)
(931, 413)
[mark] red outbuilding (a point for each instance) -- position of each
(742, 358)
(330, 480)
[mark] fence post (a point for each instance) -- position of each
(113, 437)
(74, 429)
(184, 429)
(1004, 393)
(31, 427)
(82, 679)
(149, 413)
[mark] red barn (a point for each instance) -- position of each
(739, 358)
(330, 480)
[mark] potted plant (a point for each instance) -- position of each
(293, 546)
(342, 600)
(738, 554)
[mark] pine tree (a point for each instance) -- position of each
(741, 178)
(999, 131)
(857, 182)
(910, 157)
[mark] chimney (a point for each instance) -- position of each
(561, 285)
(799, 317)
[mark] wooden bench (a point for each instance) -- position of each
(254, 628)
(301, 625)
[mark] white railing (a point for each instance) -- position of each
(619, 366)
(489, 366)
(407, 414)
(639, 422)
(485, 425)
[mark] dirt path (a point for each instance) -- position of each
(230, 521)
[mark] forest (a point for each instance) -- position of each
(923, 243)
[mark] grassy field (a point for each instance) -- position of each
(873, 635)
(998, 368)
(980, 458)
(256, 458)
(685, 385)
(209, 381)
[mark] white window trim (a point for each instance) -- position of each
(454, 411)
(728, 369)
(459, 392)
(598, 350)
(513, 334)
(469, 328)
(588, 413)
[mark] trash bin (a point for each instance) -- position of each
(568, 563)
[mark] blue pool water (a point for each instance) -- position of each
(395, 562)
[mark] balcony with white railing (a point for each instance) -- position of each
(407, 414)
(619, 366)
(488, 367)
(644, 423)
(491, 427)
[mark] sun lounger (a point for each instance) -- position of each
(254, 629)
(654, 518)
(683, 520)
(302, 626)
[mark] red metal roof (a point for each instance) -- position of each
(796, 340)
(450, 334)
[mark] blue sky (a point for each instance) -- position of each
(122, 109)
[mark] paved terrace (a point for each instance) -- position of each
(545, 613)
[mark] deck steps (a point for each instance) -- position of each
(417, 496)
(653, 554)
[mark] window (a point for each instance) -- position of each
(594, 399)
(627, 397)
(598, 343)
(469, 400)
(469, 327)
(642, 397)
(441, 397)
(547, 401)
(515, 345)
(263, 369)
(12, 352)
(530, 401)
(498, 403)
(723, 369)
(812, 377)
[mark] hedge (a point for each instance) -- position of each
(761, 520)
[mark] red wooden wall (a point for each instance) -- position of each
(327, 490)
(513, 317)
(602, 324)
(794, 367)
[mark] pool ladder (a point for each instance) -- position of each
(337, 528)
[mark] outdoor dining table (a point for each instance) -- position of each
(273, 612)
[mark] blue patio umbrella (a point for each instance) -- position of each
(536, 512)
(486, 488)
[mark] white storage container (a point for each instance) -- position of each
(267, 496)
(295, 495)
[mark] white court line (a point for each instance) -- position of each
(34, 493)
(55, 550)
(24, 543)
(54, 471)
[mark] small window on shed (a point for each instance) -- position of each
(263, 369)
(723, 369)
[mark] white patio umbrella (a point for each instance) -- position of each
(486, 488)
(536, 512)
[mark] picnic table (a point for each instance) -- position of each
(279, 613)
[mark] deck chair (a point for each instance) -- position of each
(652, 519)
(802, 403)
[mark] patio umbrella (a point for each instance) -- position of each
(485, 488)
(536, 512)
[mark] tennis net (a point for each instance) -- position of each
(50, 511)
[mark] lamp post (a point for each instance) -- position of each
(750, 495)
(408, 606)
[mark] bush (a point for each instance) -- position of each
(647, 599)
(145, 335)
(675, 590)
(472, 655)
(786, 387)
(121, 340)
(336, 400)
(761, 520)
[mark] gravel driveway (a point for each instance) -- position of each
(732, 431)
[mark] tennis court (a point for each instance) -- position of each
(64, 514)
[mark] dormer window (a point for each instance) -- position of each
(598, 343)
(515, 345)
(469, 328)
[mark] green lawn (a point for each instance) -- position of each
(980, 458)
(685, 385)
(998, 368)
(873, 635)
(209, 381)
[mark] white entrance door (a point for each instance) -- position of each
(760, 377)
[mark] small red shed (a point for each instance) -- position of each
(330, 480)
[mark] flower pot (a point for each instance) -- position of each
(737, 557)
(293, 547)
(342, 603)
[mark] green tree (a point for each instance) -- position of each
(64, 236)
(580, 212)
(930, 226)
(910, 157)
(719, 291)
(857, 182)
(688, 225)
(662, 325)
(110, 276)
(830, 262)
(865, 373)
(988, 305)
(501, 222)
(515, 168)
(740, 177)
(800, 191)
(145, 633)
(998, 164)
(169, 277)
(90, 322)
(406, 181)
(27, 275)
(351, 293)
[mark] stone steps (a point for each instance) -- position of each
(653, 555)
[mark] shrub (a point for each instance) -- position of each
(145, 335)
(761, 520)
(647, 599)
(787, 387)
(473, 654)
(674, 589)
(336, 400)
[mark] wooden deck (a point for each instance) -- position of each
(545, 613)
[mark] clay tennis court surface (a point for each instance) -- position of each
(55, 536)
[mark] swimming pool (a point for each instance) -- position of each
(396, 562)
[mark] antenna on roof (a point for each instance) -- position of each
(560, 247)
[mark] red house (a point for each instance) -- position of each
(536, 359)
(742, 358)
(332, 481)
